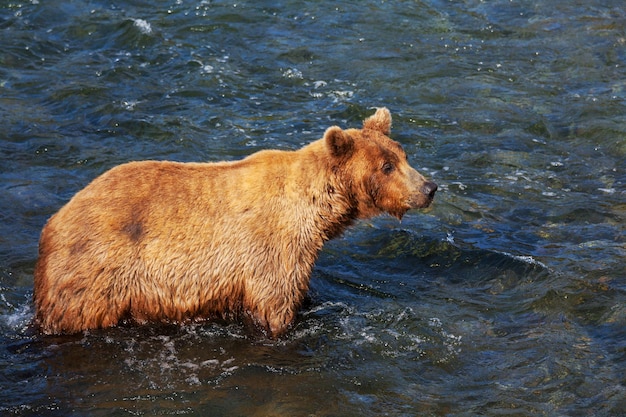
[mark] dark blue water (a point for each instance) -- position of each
(507, 297)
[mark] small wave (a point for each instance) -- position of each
(170, 359)
(401, 335)
(325, 306)
(524, 258)
(336, 92)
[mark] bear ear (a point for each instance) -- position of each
(381, 121)
(339, 142)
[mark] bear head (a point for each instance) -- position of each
(374, 170)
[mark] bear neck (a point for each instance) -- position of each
(333, 206)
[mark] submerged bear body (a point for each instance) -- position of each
(172, 242)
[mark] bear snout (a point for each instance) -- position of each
(429, 188)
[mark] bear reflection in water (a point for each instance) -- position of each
(173, 242)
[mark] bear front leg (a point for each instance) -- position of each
(274, 320)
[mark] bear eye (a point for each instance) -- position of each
(388, 168)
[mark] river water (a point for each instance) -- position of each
(506, 297)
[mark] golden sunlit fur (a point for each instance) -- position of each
(172, 242)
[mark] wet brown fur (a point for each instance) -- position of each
(172, 242)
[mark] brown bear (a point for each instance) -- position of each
(172, 242)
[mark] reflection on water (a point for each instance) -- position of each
(505, 297)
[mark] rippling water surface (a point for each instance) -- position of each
(507, 297)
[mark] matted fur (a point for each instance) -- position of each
(172, 242)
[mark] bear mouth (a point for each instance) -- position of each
(421, 201)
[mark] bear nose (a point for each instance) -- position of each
(429, 188)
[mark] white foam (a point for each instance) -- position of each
(130, 105)
(167, 364)
(292, 73)
(19, 318)
(143, 26)
(459, 184)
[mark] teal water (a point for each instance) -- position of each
(506, 297)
